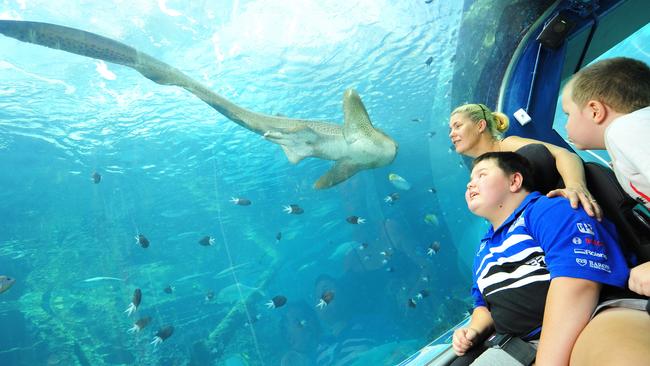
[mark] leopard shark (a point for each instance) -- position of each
(354, 146)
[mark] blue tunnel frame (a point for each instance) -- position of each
(536, 73)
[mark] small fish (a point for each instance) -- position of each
(140, 324)
(240, 201)
(103, 278)
(416, 120)
(192, 276)
(434, 248)
(431, 219)
(96, 177)
(133, 306)
(142, 240)
(6, 283)
(432, 190)
(355, 220)
(431, 134)
(424, 278)
(390, 269)
(254, 320)
(422, 294)
(430, 59)
(363, 246)
(206, 241)
(391, 198)
(169, 289)
(162, 334)
(325, 299)
(302, 323)
(386, 255)
(276, 302)
(293, 209)
(411, 303)
(399, 182)
(278, 236)
(209, 295)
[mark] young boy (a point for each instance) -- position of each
(541, 261)
(608, 107)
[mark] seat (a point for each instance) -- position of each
(632, 222)
(545, 175)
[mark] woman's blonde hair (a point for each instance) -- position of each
(497, 122)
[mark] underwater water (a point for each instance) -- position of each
(93, 154)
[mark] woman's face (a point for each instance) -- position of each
(463, 132)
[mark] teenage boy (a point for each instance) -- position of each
(541, 262)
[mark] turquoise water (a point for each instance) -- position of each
(169, 165)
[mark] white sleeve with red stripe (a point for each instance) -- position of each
(628, 144)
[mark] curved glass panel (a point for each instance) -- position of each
(635, 46)
(112, 183)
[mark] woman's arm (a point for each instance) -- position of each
(569, 304)
(570, 167)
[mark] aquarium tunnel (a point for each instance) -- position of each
(262, 182)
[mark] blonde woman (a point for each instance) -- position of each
(474, 130)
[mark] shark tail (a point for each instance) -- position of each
(99, 47)
(71, 40)
(93, 45)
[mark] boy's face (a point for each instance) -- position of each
(487, 189)
(580, 125)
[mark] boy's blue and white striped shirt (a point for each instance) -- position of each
(543, 238)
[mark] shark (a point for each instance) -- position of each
(354, 146)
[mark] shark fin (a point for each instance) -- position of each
(341, 171)
(293, 156)
(297, 142)
(356, 120)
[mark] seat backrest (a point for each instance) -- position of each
(632, 223)
(545, 175)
